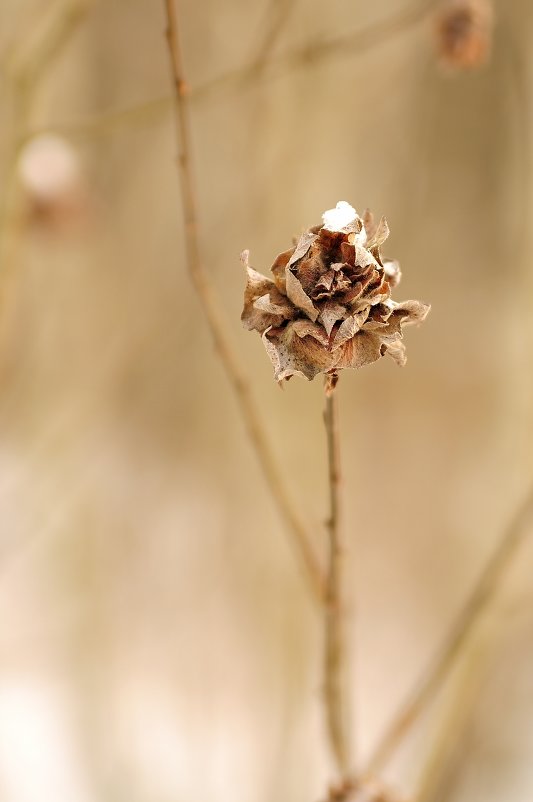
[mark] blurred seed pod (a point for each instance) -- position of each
(53, 183)
(463, 33)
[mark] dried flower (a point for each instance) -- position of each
(329, 305)
(463, 33)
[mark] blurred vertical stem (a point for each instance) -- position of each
(465, 625)
(334, 646)
(217, 324)
(449, 750)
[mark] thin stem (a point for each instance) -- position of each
(334, 651)
(478, 602)
(216, 321)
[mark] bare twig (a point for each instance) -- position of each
(482, 595)
(217, 324)
(355, 42)
(334, 651)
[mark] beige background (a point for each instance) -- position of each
(157, 642)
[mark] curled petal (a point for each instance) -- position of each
(379, 234)
(412, 311)
(378, 317)
(258, 286)
(364, 258)
(380, 293)
(274, 303)
(347, 251)
(363, 349)
(325, 281)
(292, 354)
(278, 269)
(331, 312)
(304, 328)
(309, 270)
(396, 349)
(297, 294)
(303, 245)
(349, 328)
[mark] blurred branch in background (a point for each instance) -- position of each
(262, 67)
(26, 73)
(448, 748)
(482, 596)
(278, 15)
(218, 326)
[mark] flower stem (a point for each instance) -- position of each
(334, 646)
(217, 324)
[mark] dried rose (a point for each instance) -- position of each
(463, 33)
(329, 305)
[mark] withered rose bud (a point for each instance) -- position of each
(329, 306)
(463, 33)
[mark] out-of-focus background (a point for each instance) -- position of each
(157, 640)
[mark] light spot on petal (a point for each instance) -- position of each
(338, 218)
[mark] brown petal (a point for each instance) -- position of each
(304, 328)
(304, 243)
(396, 349)
(379, 293)
(349, 328)
(292, 355)
(363, 257)
(330, 313)
(361, 350)
(309, 270)
(298, 296)
(353, 294)
(278, 268)
(257, 286)
(347, 253)
(326, 280)
(266, 303)
(412, 311)
(379, 235)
